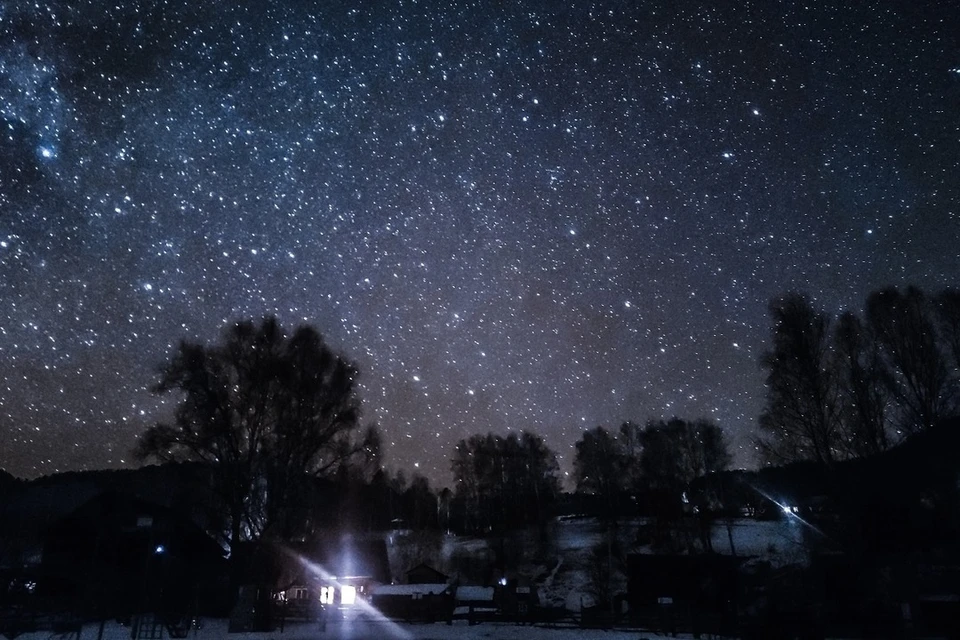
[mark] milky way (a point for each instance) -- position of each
(514, 215)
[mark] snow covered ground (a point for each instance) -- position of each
(380, 630)
(779, 542)
(561, 575)
(561, 571)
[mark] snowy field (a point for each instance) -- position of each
(779, 542)
(560, 572)
(370, 630)
(561, 568)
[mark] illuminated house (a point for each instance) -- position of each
(334, 574)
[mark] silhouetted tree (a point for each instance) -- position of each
(630, 439)
(864, 395)
(675, 453)
(420, 503)
(398, 482)
(604, 569)
(539, 476)
(947, 311)
(598, 468)
(916, 366)
(470, 477)
(444, 502)
(268, 412)
(801, 420)
(504, 482)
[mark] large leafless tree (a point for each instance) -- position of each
(864, 395)
(267, 412)
(505, 482)
(598, 468)
(947, 312)
(918, 371)
(802, 417)
(674, 453)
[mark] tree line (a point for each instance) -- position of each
(272, 413)
(854, 385)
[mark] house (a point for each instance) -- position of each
(476, 597)
(518, 601)
(475, 603)
(28, 510)
(935, 607)
(338, 572)
(306, 579)
(118, 555)
(694, 590)
(414, 602)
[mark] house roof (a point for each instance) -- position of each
(428, 570)
(409, 589)
(475, 594)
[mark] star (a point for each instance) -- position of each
(499, 215)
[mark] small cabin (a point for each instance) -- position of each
(122, 555)
(517, 600)
(420, 602)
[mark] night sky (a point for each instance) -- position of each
(511, 215)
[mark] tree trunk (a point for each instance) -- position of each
(729, 525)
(236, 570)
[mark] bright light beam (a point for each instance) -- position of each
(393, 629)
(790, 513)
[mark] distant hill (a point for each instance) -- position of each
(30, 507)
(8, 479)
(923, 462)
(164, 484)
(923, 466)
(9, 485)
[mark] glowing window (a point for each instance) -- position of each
(348, 595)
(326, 595)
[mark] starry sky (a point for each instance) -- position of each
(512, 215)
